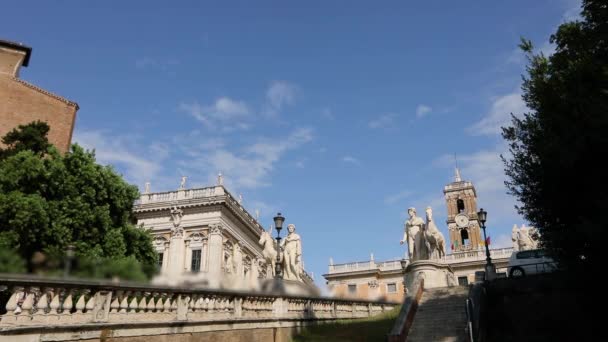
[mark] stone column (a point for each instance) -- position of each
(216, 250)
(188, 257)
(255, 268)
(177, 249)
(238, 259)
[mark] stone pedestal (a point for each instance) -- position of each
(435, 274)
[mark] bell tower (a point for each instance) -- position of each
(463, 227)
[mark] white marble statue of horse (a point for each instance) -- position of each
(269, 252)
(434, 239)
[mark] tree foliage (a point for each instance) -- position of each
(555, 170)
(49, 200)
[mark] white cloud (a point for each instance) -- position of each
(300, 164)
(279, 95)
(383, 121)
(573, 11)
(422, 110)
(486, 170)
(350, 159)
(115, 150)
(392, 199)
(328, 114)
(224, 113)
(249, 168)
(499, 115)
(145, 62)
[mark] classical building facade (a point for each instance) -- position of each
(203, 234)
(385, 279)
(23, 102)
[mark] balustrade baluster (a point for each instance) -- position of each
(133, 304)
(151, 306)
(67, 304)
(124, 303)
(142, 303)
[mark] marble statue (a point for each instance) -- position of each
(414, 236)
(434, 240)
(240, 198)
(525, 240)
(292, 254)
(269, 252)
(147, 188)
(182, 183)
(514, 238)
(220, 179)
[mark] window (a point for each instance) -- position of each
(160, 260)
(501, 275)
(460, 205)
(463, 281)
(352, 288)
(391, 288)
(525, 254)
(464, 235)
(196, 260)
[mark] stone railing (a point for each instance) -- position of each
(389, 265)
(480, 254)
(37, 303)
(180, 195)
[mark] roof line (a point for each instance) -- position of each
(45, 92)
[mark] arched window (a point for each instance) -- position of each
(460, 205)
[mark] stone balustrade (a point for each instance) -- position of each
(181, 194)
(466, 256)
(39, 302)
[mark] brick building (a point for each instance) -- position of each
(22, 102)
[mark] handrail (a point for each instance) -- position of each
(404, 321)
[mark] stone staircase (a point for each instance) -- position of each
(441, 316)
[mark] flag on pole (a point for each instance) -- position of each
(452, 246)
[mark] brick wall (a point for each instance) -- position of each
(22, 103)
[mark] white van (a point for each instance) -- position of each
(528, 262)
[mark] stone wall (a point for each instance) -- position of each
(23, 103)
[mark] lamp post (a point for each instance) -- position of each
(490, 268)
(278, 224)
(69, 255)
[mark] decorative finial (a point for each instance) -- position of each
(147, 188)
(220, 179)
(457, 178)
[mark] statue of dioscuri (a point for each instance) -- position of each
(414, 236)
(292, 254)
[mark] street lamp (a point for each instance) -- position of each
(69, 255)
(490, 268)
(278, 224)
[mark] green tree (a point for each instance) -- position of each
(49, 200)
(30, 137)
(557, 148)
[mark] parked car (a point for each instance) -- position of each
(532, 261)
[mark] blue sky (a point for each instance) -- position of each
(339, 114)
